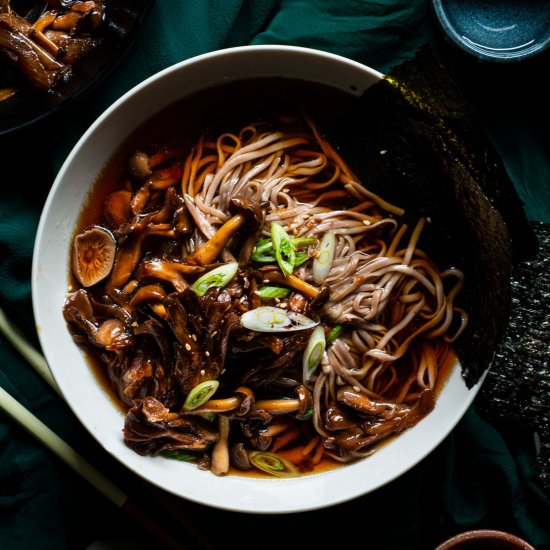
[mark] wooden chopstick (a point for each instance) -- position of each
(68, 455)
(80, 465)
(33, 357)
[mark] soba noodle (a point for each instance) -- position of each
(394, 306)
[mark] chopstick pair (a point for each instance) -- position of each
(79, 464)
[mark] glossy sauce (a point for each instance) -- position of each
(235, 105)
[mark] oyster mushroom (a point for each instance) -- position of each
(305, 401)
(138, 165)
(93, 255)
(117, 207)
(246, 210)
(148, 293)
(239, 457)
(161, 179)
(167, 270)
(113, 335)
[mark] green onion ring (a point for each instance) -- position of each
(220, 276)
(200, 394)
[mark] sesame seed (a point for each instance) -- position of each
(356, 388)
(366, 222)
(265, 281)
(207, 353)
(203, 372)
(383, 152)
(194, 337)
(187, 347)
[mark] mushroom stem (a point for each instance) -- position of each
(220, 452)
(292, 281)
(212, 248)
(276, 429)
(278, 406)
(218, 405)
(38, 31)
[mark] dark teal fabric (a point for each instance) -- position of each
(481, 476)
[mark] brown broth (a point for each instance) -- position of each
(225, 108)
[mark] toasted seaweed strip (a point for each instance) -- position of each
(424, 84)
(411, 160)
(517, 387)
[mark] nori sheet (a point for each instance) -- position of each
(412, 139)
(426, 86)
(516, 390)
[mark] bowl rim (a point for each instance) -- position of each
(242, 493)
(484, 535)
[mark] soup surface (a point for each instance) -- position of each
(252, 306)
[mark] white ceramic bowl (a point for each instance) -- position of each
(88, 400)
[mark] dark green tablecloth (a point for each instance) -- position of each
(481, 476)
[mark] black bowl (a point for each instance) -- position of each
(29, 105)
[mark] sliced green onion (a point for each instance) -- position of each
(263, 252)
(301, 258)
(302, 242)
(267, 292)
(200, 394)
(334, 333)
(274, 319)
(285, 253)
(325, 256)
(219, 276)
(314, 352)
(179, 454)
(273, 464)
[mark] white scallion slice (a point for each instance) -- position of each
(220, 276)
(325, 256)
(274, 319)
(314, 352)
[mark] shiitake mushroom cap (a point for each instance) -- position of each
(94, 251)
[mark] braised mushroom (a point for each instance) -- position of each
(246, 210)
(239, 457)
(138, 165)
(93, 255)
(117, 207)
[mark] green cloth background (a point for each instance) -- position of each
(481, 476)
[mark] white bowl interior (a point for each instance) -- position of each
(89, 401)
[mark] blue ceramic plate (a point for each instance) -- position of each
(501, 30)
